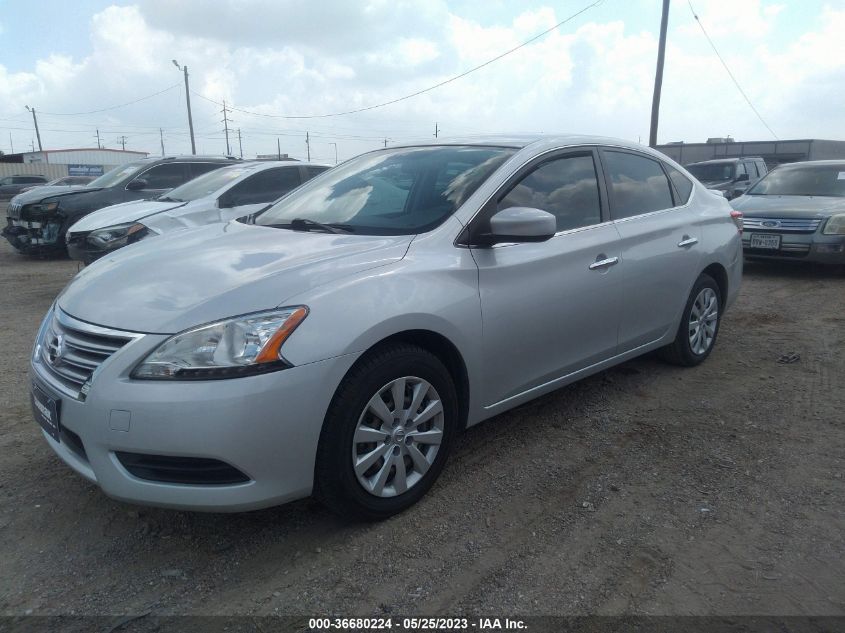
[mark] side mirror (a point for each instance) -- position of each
(137, 185)
(520, 224)
(742, 178)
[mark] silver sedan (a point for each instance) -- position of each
(336, 343)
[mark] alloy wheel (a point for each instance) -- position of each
(703, 319)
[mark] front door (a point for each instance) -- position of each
(550, 308)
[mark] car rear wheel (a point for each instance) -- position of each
(386, 434)
(699, 326)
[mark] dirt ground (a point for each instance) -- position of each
(646, 489)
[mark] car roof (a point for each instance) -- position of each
(814, 163)
(182, 158)
(518, 141)
(729, 159)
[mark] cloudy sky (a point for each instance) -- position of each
(302, 58)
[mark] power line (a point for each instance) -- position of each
(424, 90)
(115, 107)
(736, 83)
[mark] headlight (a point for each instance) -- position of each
(241, 346)
(119, 235)
(46, 206)
(35, 211)
(835, 225)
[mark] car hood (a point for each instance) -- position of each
(788, 206)
(121, 213)
(177, 281)
(40, 193)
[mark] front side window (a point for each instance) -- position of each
(566, 187)
(817, 180)
(751, 168)
(198, 169)
(402, 191)
(165, 176)
(638, 184)
(682, 184)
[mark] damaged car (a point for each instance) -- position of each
(218, 196)
(37, 220)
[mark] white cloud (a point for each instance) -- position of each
(300, 58)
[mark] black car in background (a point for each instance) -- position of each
(732, 176)
(37, 220)
(13, 185)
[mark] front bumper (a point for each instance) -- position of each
(267, 427)
(807, 247)
(31, 237)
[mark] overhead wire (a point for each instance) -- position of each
(730, 74)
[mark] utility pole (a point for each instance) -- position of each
(37, 133)
(188, 101)
(385, 142)
(240, 143)
(122, 141)
(278, 148)
(436, 130)
(226, 128)
(308, 145)
(32, 144)
(12, 145)
(161, 138)
(99, 145)
(658, 76)
(335, 152)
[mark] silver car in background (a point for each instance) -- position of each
(337, 343)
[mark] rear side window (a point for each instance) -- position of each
(638, 184)
(683, 186)
(565, 187)
(265, 186)
(752, 170)
(198, 169)
(312, 171)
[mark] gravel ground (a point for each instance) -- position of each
(646, 489)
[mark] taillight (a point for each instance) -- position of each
(736, 216)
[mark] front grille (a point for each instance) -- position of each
(788, 225)
(14, 211)
(72, 350)
(198, 471)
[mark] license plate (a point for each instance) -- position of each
(761, 240)
(46, 411)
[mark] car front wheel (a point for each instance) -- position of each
(386, 434)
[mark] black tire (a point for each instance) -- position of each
(679, 351)
(335, 482)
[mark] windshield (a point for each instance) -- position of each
(809, 180)
(206, 184)
(712, 171)
(391, 192)
(114, 176)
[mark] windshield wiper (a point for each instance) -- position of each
(169, 199)
(304, 224)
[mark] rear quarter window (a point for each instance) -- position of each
(683, 185)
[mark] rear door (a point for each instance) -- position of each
(659, 242)
(551, 308)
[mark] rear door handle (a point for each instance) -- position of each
(604, 263)
(687, 241)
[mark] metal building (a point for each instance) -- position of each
(773, 152)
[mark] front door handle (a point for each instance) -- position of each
(604, 263)
(687, 241)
